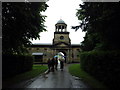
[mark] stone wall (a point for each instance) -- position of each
(47, 52)
(72, 53)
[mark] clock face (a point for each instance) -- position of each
(61, 37)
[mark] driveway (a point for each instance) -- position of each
(56, 79)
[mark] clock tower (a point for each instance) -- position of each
(61, 35)
(61, 44)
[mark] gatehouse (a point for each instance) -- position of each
(61, 43)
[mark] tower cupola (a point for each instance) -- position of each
(60, 26)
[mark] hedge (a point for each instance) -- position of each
(15, 64)
(103, 65)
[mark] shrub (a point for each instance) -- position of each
(103, 65)
(15, 64)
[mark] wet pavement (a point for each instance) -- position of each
(56, 79)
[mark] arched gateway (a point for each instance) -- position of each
(61, 43)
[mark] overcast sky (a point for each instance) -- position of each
(65, 10)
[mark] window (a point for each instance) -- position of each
(37, 48)
(29, 49)
(45, 49)
(78, 50)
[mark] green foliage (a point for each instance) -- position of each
(36, 70)
(15, 64)
(102, 20)
(90, 42)
(103, 65)
(77, 71)
(20, 23)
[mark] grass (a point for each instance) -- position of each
(37, 70)
(75, 70)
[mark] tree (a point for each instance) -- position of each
(89, 42)
(20, 23)
(100, 20)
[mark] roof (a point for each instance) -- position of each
(60, 22)
(37, 53)
(51, 45)
(41, 45)
(61, 32)
(75, 45)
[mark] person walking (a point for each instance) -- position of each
(56, 63)
(62, 64)
(52, 64)
(49, 65)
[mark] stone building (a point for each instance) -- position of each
(61, 43)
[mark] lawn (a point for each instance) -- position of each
(75, 70)
(37, 70)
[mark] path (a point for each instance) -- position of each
(57, 79)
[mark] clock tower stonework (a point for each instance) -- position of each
(61, 35)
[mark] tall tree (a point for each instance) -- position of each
(20, 23)
(102, 21)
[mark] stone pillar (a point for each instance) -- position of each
(55, 28)
(65, 28)
(52, 51)
(70, 55)
(68, 58)
(61, 28)
(55, 52)
(58, 28)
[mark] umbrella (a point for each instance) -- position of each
(56, 56)
(60, 53)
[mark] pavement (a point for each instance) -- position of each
(56, 79)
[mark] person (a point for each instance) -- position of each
(49, 65)
(56, 63)
(61, 64)
(52, 64)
